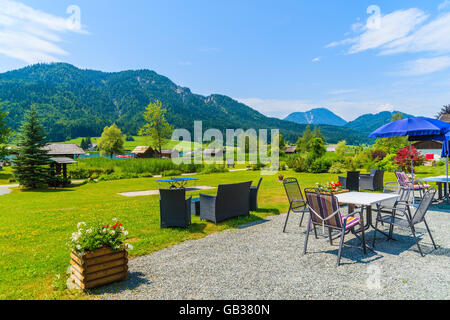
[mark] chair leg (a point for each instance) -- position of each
(375, 231)
(301, 220)
(315, 231)
(417, 241)
(341, 244)
(429, 232)
(287, 218)
(307, 235)
(329, 234)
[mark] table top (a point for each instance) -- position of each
(177, 180)
(365, 198)
(442, 179)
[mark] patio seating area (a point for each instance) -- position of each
(261, 262)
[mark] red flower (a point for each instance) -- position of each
(117, 225)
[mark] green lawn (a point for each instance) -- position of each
(34, 226)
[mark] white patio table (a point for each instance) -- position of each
(365, 200)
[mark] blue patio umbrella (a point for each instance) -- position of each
(416, 129)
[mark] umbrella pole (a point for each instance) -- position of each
(412, 172)
(447, 190)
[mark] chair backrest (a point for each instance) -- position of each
(378, 179)
(233, 198)
(293, 193)
(404, 195)
(424, 206)
(403, 179)
(373, 172)
(323, 206)
(353, 180)
(173, 199)
(259, 183)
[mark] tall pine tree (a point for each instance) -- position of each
(31, 167)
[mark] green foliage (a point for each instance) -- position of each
(111, 141)
(156, 127)
(342, 149)
(5, 133)
(299, 165)
(171, 173)
(214, 169)
(320, 165)
(338, 167)
(303, 142)
(387, 164)
(31, 166)
(393, 144)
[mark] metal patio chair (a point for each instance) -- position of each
(408, 221)
(325, 212)
(405, 182)
(297, 203)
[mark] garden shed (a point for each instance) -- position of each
(143, 152)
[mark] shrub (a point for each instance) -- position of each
(378, 154)
(403, 158)
(387, 164)
(338, 167)
(299, 165)
(171, 173)
(79, 173)
(214, 169)
(320, 166)
(441, 163)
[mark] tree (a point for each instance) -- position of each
(31, 166)
(445, 110)
(393, 144)
(302, 143)
(157, 129)
(111, 141)
(342, 149)
(5, 133)
(403, 158)
(282, 142)
(83, 144)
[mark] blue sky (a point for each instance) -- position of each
(276, 56)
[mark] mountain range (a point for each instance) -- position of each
(366, 123)
(79, 103)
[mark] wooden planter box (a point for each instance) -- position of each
(97, 268)
(340, 192)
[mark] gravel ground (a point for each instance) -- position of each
(260, 262)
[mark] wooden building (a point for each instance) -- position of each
(169, 153)
(61, 150)
(145, 152)
(290, 150)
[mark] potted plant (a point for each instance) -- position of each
(280, 177)
(334, 187)
(99, 254)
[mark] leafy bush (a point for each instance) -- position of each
(299, 165)
(79, 173)
(403, 158)
(99, 235)
(387, 164)
(214, 169)
(441, 163)
(171, 173)
(378, 154)
(320, 166)
(338, 167)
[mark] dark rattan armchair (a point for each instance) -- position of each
(254, 196)
(372, 181)
(175, 210)
(232, 201)
(351, 182)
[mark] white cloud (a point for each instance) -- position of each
(444, 5)
(386, 107)
(341, 91)
(393, 26)
(316, 59)
(425, 66)
(32, 35)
